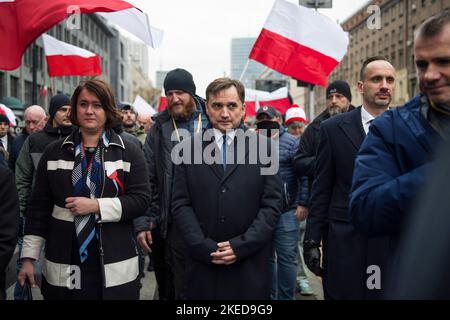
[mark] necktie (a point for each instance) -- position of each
(224, 152)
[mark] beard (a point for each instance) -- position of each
(186, 111)
(334, 110)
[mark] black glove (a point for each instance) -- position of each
(311, 255)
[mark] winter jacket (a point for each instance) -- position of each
(288, 145)
(157, 148)
(48, 220)
(390, 168)
(29, 157)
(15, 149)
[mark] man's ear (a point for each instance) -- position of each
(360, 86)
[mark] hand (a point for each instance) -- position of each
(224, 254)
(145, 240)
(311, 255)
(81, 206)
(301, 213)
(26, 271)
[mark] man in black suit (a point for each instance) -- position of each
(227, 210)
(348, 254)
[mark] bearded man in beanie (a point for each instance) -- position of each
(183, 117)
(58, 126)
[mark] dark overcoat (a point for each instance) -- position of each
(349, 253)
(240, 205)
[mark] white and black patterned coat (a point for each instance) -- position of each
(48, 220)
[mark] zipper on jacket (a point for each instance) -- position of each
(100, 241)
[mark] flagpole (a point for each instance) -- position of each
(245, 69)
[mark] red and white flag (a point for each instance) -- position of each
(162, 103)
(64, 59)
(300, 42)
(256, 98)
(22, 21)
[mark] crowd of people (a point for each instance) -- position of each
(91, 188)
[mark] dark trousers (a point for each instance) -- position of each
(2, 285)
(178, 262)
(163, 273)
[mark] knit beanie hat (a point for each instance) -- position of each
(295, 114)
(340, 87)
(57, 102)
(179, 79)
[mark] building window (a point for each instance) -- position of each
(28, 92)
(121, 51)
(28, 56)
(14, 87)
(393, 61)
(2, 85)
(41, 57)
(401, 63)
(59, 32)
(67, 35)
(122, 93)
(122, 71)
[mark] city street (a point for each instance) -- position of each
(148, 290)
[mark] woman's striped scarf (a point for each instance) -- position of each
(87, 181)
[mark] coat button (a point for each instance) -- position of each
(224, 190)
(222, 218)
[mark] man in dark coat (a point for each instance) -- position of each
(35, 120)
(227, 211)
(348, 253)
(184, 113)
(9, 222)
(395, 159)
(338, 100)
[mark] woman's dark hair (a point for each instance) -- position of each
(105, 94)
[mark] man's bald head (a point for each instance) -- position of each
(34, 118)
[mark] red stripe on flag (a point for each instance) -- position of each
(162, 103)
(292, 58)
(280, 105)
(250, 108)
(23, 21)
(59, 65)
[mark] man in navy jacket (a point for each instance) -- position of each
(394, 160)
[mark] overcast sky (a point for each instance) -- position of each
(198, 33)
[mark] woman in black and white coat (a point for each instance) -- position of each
(89, 187)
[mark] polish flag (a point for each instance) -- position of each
(22, 21)
(256, 98)
(300, 42)
(162, 103)
(64, 59)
